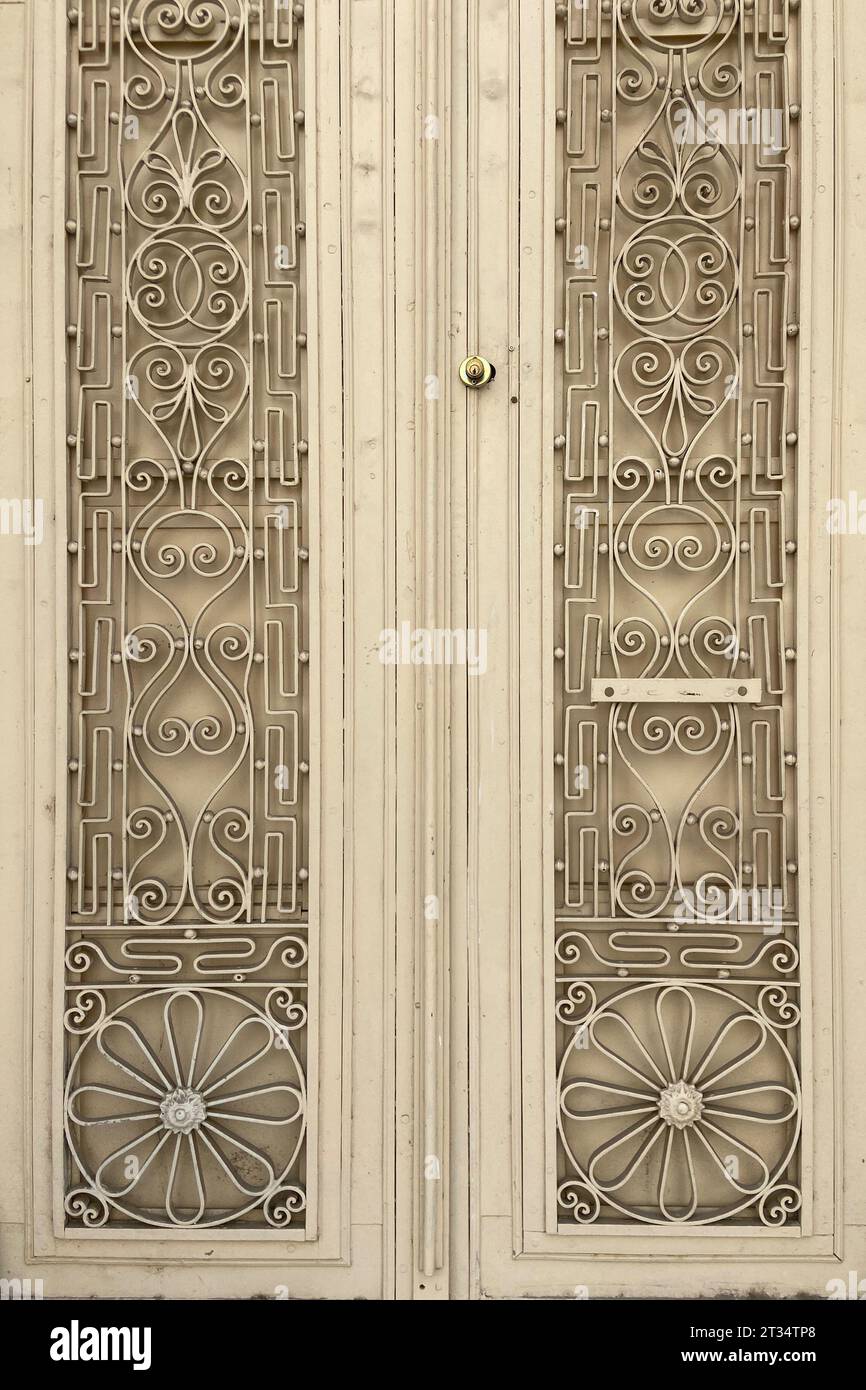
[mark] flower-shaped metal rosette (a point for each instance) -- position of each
(192, 1117)
(676, 1111)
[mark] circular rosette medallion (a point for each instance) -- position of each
(187, 1108)
(675, 279)
(187, 286)
(679, 1103)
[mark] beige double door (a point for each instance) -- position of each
(397, 930)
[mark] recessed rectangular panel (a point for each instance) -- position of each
(677, 1066)
(187, 964)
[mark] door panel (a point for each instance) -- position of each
(677, 943)
(189, 916)
(660, 899)
(196, 1094)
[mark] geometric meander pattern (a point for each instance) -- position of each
(186, 957)
(676, 948)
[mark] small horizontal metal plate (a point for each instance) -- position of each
(673, 690)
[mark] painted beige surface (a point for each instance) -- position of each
(436, 1043)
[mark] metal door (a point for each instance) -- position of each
(440, 869)
(655, 1069)
(197, 977)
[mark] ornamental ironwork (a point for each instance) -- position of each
(187, 953)
(676, 945)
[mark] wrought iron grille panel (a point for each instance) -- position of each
(676, 943)
(186, 960)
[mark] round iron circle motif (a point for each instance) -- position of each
(187, 286)
(675, 279)
(684, 1107)
(185, 1108)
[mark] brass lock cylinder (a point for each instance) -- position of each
(476, 372)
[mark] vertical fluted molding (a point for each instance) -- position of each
(432, 607)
